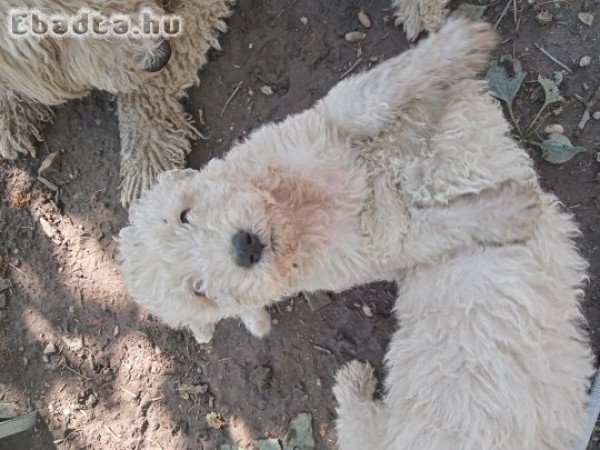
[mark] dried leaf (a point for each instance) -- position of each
(558, 149)
(473, 12)
(214, 420)
(187, 391)
(586, 18)
(551, 92)
(48, 162)
(503, 86)
(544, 17)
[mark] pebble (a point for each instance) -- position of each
(364, 20)
(71, 309)
(304, 20)
(50, 349)
(354, 36)
(585, 86)
(554, 129)
(585, 61)
(116, 331)
(366, 309)
(266, 90)
(596, 115)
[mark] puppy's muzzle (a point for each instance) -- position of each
(248, 249)
(160, 58)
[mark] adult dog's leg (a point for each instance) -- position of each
(418, 15)
(361, 420)
(20, 124)
(418, 79)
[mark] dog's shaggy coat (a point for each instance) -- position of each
(398, 173)
(37, 73)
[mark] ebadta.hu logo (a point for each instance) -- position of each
(89, 23)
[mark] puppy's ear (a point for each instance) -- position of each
(176, 175)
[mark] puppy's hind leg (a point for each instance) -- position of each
(365, 104)
(361, 420)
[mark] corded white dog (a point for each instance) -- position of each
(405, 172)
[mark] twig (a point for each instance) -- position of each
(352, 67)
(552, 58)
(585, 117)
(515, 13)
(324, 350)
(502, 14)
(235, 91)
(60, 441)
(292, 3)
(128, 392)
(112, 432)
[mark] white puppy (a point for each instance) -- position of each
(398, 173)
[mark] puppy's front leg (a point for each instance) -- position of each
(257, 322)
(20, 123)
(506, 214)
(203, 332)
(418, 79)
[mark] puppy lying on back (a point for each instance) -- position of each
(319, 201)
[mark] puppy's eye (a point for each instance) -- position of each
(183, 217)
(197, 288)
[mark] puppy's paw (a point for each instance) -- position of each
(514, 210)
(257, 322)
(203, 333)
(465, 46)
(355, 380)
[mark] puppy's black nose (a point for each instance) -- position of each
(161, 57)
(248, 248)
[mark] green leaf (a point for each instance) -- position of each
(470, 11)
(558, 149)
(503, 86)
(557, 76)
(551, 92)
(300, 433)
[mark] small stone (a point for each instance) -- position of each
(596, 115)
(544, 17)
(71, 309)
(50, 349)
(554, 129)
(354, 36)
(366, 309)
(585, 86)
(586, 18)
(25, 361)
(275, 322)
(364, 20)
(585, 61)
(266, 90)
(557, 111)
(304, 20)
(116, 331)
(45, 358)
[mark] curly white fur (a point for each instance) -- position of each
(399, 173)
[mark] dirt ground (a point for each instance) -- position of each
(114, 377)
